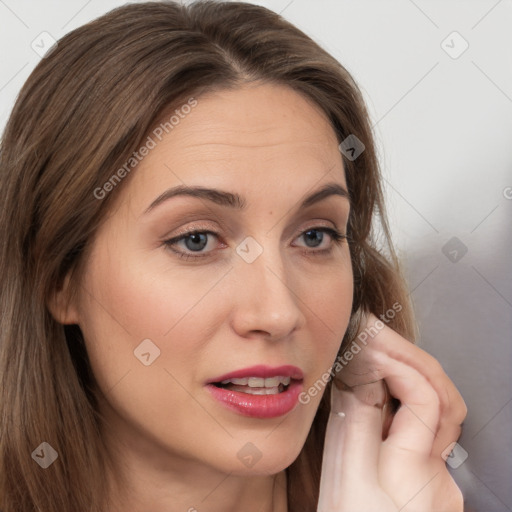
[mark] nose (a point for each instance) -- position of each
(267, 301)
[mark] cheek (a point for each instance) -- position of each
(148, 301)
(185, 312)
(130, 313)
(327, 295)
(129, 304)
(328, 307)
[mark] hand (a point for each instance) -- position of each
(375, 461)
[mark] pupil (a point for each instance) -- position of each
(319, 236)
(195, 237)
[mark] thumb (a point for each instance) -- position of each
(352, 442)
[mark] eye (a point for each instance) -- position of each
(315, 236)
(196, 241)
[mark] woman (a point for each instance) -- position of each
(171, 328)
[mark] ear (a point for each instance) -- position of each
(60, 305)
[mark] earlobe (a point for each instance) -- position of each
(61, 306)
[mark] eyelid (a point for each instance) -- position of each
(315, 224)
(337, 238)
(206, 228)
(188, 230)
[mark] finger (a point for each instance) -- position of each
(332, 459)
(446, 436)
(452, 408)
(349, 478)
(362, 427)
(415, 424)
(361, 368)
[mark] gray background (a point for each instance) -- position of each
(443, 123)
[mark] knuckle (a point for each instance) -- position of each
(459, 410)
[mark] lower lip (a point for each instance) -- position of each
(259, 406)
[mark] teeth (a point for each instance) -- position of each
(256, 382)
(239, 382)
(259, 382)
(256, 391)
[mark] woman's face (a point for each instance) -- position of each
(260, 284)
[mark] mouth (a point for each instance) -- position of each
(259, 391)
(256, 385)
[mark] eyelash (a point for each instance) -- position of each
(337, 237)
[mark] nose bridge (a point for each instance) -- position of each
(266, 301)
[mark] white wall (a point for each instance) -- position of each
(444, 128)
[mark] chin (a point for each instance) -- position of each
(262, 458)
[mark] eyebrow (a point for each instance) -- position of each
(231, 200)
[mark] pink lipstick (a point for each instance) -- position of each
(259, 391)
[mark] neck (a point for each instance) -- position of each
(140, 481)
(216, 492)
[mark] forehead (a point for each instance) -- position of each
(252, 139)
(268, 112)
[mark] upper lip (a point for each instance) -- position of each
(262, 371)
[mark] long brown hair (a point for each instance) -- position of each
(79, 117)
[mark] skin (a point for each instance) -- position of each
(404, 469)
(174, 446)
